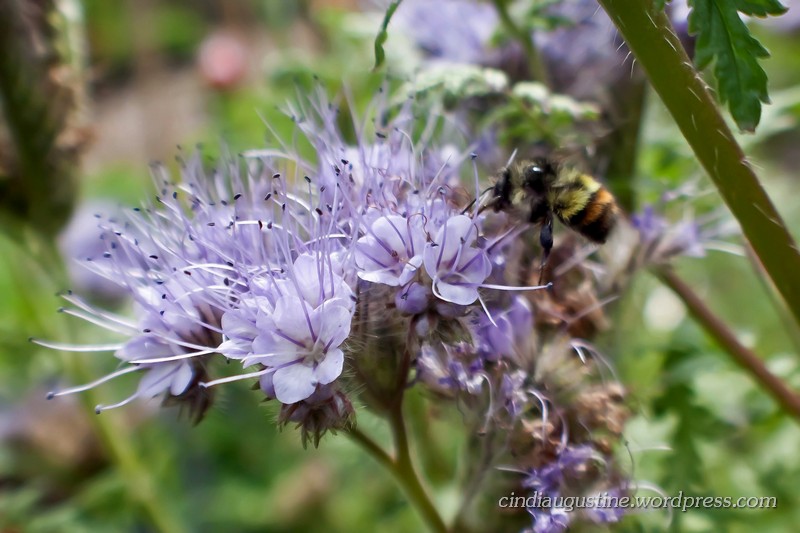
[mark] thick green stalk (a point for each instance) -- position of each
(42, 113)
(650, 37)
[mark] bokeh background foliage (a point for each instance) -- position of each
(114, 85)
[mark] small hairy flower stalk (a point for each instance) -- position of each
(380, 353)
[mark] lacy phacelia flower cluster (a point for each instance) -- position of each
(261, 261)
(357, 274)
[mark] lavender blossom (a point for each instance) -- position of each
(574, 469)
(455, 265)
(301, 337)
(246, 263)
(660, 241)
(501, 331)
(450, 30)
(391, 251)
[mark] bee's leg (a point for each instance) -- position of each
(482, 205)
(546, 240)
(469, 206)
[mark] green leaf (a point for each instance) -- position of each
(759, 8)
(724, 38)
(380, 39)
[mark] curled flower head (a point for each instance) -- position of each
(327, 409)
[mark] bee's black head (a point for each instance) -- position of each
(538, 174)
(503, 188)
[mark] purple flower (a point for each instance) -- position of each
(391, 251)
(450, 30)
(551, 478)
(661, 241)
(413, 299)
(570, 471)
(456, 267)
(449, 369)
(556, 521)
(506, 331)
(301, 338)
(513, 392)
(79, 240)
(265, 263)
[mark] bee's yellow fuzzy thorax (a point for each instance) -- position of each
(571, 193)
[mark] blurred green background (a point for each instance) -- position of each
(700, 424)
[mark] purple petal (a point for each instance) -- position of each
(234, 326)
(294, 383)
(457, 294)
(331, 367)
(410, 269)
(291, 319)
(457, 232)
(144, 348)
(393, 233)
(333, 323)
(158, 379)
(474, 265)
(181, 380)
(275, 350)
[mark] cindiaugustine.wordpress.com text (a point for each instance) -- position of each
(605, 500)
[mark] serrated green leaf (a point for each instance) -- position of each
(383, 34)
(759, 8)
(722, 37)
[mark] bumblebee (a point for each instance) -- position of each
(536, 190)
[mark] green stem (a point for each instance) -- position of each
(138, 482)
(658, 50)
(371, 447)
(622, 144)
(407, 476)
(779, 390)
(535, 63)
(402, 470)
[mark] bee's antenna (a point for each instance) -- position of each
(511, 159)
(474, 156)
(482, 207)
